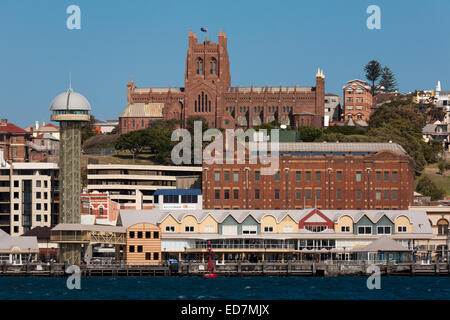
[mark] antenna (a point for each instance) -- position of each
(70, 81)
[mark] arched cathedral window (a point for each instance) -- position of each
(199, 66)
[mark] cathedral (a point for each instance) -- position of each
(208, 93)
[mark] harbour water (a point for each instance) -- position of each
(249, 288)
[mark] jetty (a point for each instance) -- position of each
(231, 269)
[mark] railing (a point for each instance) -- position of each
(246, 246)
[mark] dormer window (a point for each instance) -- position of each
(316, 228)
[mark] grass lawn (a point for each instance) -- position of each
(442, 180)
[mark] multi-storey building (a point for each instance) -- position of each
(357, 101)
(34, 196)
(333, 109)
(437, 247)
(13, 142)
(5, 195)
(372, 176)
(208, 93)
(271, 235)
(133, 185)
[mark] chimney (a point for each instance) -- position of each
(43, 123)
(4, 122)
(37, 125)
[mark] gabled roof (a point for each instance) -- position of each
(138, 110)
(39, 233)
(12, 128)
(382, 244)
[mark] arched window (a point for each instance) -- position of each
(442, 227)
(212, 65)
(199, 66)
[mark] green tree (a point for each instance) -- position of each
(134, 142)
(88, 129)
(388, 80)
(309, 134)
(160, 143)
(429, 189)
(373, 72)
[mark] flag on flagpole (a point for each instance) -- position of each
(204, 29)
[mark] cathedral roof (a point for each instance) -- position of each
(139, 110)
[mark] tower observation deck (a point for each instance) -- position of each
(70, 109)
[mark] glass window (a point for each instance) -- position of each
(235, 176)
(358, 195)
(339, 176)
(148, 234)
(394, 176)
(139, 248)
(236, 194)
(139, 234)
(298, 194)
(277, 176)
(277, 194)
(189, 229)
(386, 176)
(384, 230)
(401, 228)
(131, 248)
(378, 176)
(386, 194)
(38, 183)
(298, 176)
(358, 176)
(364, 230)
(339, 194)
(257, 194)
(394, 194)
(318, 176)
(378, 195)
(318, 194)
(345, 228)
(217, 176)
(155, 235)
(226, 175)
(257, 175)
(217, 194)
(226, 194)
(308, 176)
(308, 194)
(131, 234)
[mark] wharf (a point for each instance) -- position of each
(334, 268)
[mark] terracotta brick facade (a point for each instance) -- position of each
(13, 141)
(358, 101)
(208, 93)
(383, 180)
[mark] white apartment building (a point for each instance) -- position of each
(133, 185)
(34, 196)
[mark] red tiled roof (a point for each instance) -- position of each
(12, 128)
(51, 125)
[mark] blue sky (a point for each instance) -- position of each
(269, 42)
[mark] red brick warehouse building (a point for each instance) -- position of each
(347, 176)
(208, 93)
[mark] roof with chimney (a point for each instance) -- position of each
(7, 127)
